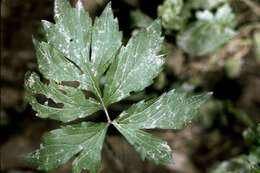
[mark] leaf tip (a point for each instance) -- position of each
(46, 24)
(79, 5)
(208, 95)
(155, 26)
(35, 42)
(109, 5)
(108, 9)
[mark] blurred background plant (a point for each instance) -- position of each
(248, 162)
(210, 45)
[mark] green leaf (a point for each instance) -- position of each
(79, 51)
(61, 145)
(252, 135)
(208, 33)
(106, 40)
(240, 164)
(53, 65)
(137, 64)
(148, 146)
(79, 44)
(139, 19)
(171, 13)
(245, 162)
(224, 16)
(73, 48)
(75, 105)
(170, 111)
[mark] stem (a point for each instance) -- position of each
(105, 109)
(98, 94)
(102, 103)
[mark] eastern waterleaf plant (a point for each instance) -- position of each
(246, 162)
(212, 28)
(77, 49)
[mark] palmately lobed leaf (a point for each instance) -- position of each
(136, 65)
(208, 33)
(171, 13)
(61, 145)
(75, 105)
(55, 66)
(172, 110)
(148, 146)
(90, 48)
(82, 51)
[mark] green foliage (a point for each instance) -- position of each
(59, 146)
(245, 162)
(136, 65)
(148, 146)
(139, 19)
(171, 13)
(252, 136)
(207, 33)
(78, 51)
(241, 164)
(170, 111)
(74, 103)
